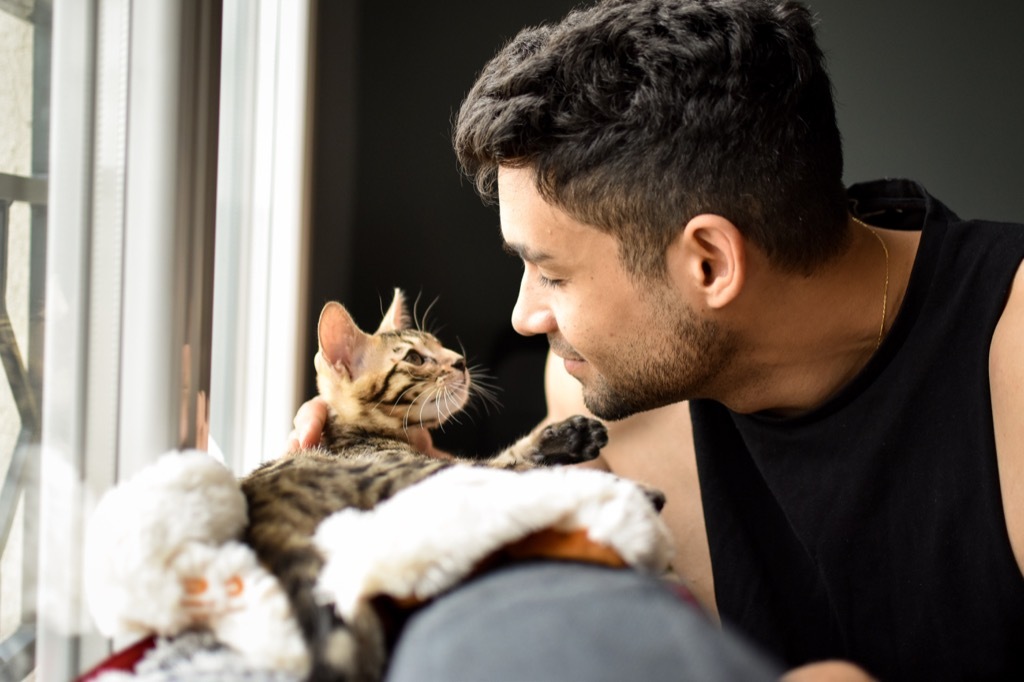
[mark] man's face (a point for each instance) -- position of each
(633, 345)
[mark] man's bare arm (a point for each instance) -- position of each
(1006, 373)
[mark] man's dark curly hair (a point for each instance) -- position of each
(639, 114)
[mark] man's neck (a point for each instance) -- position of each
(805, 338)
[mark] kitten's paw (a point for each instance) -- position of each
(571, 441)
(654, 496)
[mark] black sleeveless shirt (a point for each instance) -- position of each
(872, 529)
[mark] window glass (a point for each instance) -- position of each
(23, 134)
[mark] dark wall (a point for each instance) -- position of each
(386, 95)
(936, 97)
(933, 91)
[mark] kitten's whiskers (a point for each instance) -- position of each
(397, 399)
(481, 385)
(423, 323)
(415, 316)
(444, 396)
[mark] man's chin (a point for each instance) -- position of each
(613, 407)
(610, 409)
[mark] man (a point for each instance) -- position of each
(670, 175)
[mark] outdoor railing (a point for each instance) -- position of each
(22, 371)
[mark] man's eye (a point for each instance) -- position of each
(548, 282)
(413, 358)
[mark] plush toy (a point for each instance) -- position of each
(162, 557)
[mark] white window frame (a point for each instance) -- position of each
(262, 229)
(131, 317)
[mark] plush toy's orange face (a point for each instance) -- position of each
(213, 579)
(206, 598)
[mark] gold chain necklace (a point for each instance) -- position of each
(885, 292)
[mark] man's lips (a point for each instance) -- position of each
(571, 365)
(565, 352)
(571, 361)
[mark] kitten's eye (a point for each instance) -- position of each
(413, 358)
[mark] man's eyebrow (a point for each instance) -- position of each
(524, 252)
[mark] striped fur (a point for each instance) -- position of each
(376, 387)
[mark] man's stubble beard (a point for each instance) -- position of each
(683, 364)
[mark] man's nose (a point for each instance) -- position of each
(531, 315)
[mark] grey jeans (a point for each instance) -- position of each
(568, 622)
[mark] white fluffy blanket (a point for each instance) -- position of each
(163, 556)
(431, 536)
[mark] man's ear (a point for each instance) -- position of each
(709, 257)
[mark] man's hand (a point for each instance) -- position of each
(309, 425)
(309, 428)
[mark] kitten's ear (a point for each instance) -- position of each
(395, 318)
(341, 340)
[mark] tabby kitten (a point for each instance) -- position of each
(376, 387)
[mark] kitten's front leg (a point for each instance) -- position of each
(571, 441)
